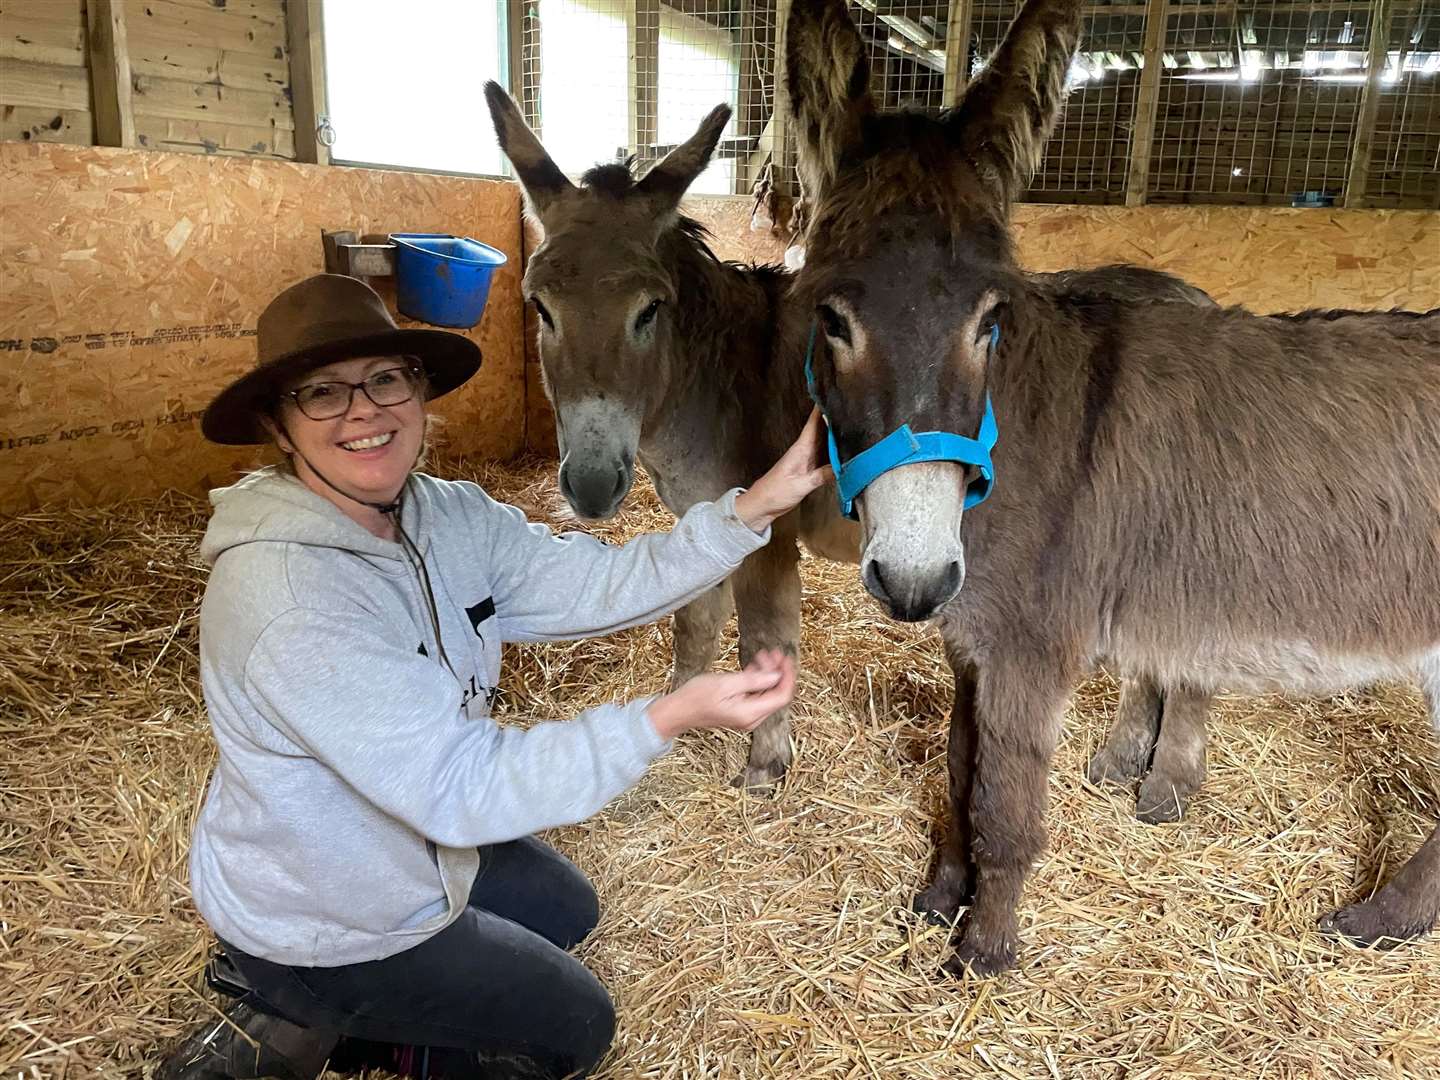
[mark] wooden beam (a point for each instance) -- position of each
(110, 73)
(642, 35)
(1147, 101)
(305, 23)
(780, 120)
(1357, 179)
(957, 49)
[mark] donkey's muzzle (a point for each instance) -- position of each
(595, 490)
(911, 597)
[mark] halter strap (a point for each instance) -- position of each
(904, 447)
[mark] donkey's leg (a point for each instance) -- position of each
(1178, 768)
(697, 632)
(1128, 748)
(767, 597)
(954, 880)
(1018, 706)
(1408, 905)
(1404, 908)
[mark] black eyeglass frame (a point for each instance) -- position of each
(415, 378)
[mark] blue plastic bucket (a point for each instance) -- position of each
(443, 280)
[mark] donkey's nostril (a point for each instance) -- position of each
(622, 477)
(951, 582)
(874, 581)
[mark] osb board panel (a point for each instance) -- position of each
(130, 284)
(1268, 259)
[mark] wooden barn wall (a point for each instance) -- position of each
(1268, 259)
(130, 285)
(211, 78)
(206, 77)
(44, 72)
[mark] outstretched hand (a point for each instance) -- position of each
(733, 700)
(798, 472)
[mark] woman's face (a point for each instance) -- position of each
(367, 450)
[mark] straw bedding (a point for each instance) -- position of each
(743, 936)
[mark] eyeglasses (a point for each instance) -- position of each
(327, 400)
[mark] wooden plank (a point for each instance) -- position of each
(259, 29)
(110, 82)
(1357, 181)
(780, 120)
(211, 137)
(1146, 103)
(27, 123)
(44, 41)
(199, 63)
(45, 86)
(642, 36)
(180, 100)
(311, 113)
(957, 50)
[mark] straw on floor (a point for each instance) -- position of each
(743, 936)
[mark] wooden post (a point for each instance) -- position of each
(957, 50)
(642, 33)
(780, 119)
(1357, 179)
(1147, 103)
(305, 24)
(110, 73)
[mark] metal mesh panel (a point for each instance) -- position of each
(1405, 154)
(1088, 155)
(1258, 104)
(610, 79)
(905, 40)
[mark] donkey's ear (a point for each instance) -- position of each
(677, 170)
(1006, 115)
(539, 175)
(827, 76)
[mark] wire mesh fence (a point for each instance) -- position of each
(1285, 101)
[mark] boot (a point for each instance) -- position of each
(263, 1046)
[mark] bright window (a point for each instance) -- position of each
(404, 82)
(584, 111)
(699, 69)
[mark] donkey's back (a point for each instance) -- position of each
(1259, 498)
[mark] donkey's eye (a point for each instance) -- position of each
(646, 317)
(544, 314)
(833, 324)
(985, 330)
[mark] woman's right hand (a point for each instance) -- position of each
(735, 700)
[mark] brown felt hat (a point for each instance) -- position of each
(322, 319)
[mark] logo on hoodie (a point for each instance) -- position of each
(485, 609)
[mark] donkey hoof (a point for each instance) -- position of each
(939, 904)
(1110, 766)
(980, 963)
(761, 778)
(1370, 926)
(1161, 801)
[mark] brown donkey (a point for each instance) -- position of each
(654, 349)
(1176, 494)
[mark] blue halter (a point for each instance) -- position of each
(904, 447)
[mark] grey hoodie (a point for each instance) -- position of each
(359, 768)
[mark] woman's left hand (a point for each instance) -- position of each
(789, 480)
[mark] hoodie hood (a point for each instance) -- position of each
(274, 506)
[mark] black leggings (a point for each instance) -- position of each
(497, 980)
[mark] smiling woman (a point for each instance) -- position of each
(350, 638)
